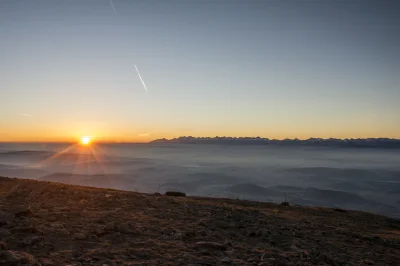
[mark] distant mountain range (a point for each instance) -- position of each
(367, 142)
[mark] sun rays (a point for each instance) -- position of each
(83, 157)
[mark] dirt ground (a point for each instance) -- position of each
(43, 223)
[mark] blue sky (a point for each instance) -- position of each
(241, 68)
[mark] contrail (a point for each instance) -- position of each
(144, 85)
(112, 5)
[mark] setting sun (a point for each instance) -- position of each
(86, 140)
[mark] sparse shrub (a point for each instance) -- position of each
(175, 194)
(285, 203)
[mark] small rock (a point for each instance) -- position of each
(33, 240)
(367, 262)
(175, 194)
(57, 226)
(52, 218)
(267, 262)
(93, 237)
(5, 218)
(47, 262)
(110, 226)
(339, 210)
(222, 224)
(251, 233)
(123, 228)
(100, 230)
(225, 260)
(28, 229)
(202, 223)
(79, 236)
(18, 257)
(108, 262)
(210, 245)
(263, 233)
(169, 231)
(4, 233)
(189, 234)
(204, 262)
(178, 235)
(26, 212)
(322, 258)
(228, 243)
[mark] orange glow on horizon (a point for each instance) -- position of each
(81, 137)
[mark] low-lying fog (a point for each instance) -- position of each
(352, 178)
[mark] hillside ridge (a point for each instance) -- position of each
(45, 223)
(324, 142)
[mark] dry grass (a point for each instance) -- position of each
(89, 226)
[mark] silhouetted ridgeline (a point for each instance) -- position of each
(331, 142)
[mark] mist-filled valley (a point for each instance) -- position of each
(366, 179)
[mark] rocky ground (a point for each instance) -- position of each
(43, 223)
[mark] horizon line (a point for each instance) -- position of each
(145, 142)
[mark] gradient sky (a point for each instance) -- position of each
(274, 69)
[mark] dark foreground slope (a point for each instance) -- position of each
(56, 224)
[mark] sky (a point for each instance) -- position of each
(276, 69)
